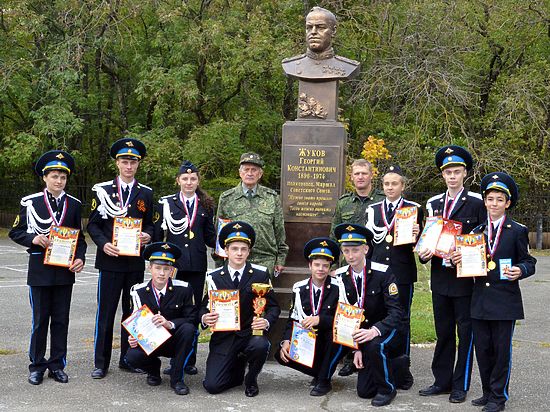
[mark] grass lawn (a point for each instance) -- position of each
(422, 320)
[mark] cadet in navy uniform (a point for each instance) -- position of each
(50, 287)
(173, 305)
(368, 285)
(496, 301)
(313, 306)
(451, 296)
(230, 352)
(122, 197)
(400, 259)
(187, 220)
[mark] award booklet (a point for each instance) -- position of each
(430, 235)
(220, 250)
(302, 345)
(474, 262)
(446, 242)
(225, 302)
(140, 325)
(405, 219)
(126, 232)
(346, 321)
(62, 248)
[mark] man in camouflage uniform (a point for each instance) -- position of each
(260, 207)
(351, 208)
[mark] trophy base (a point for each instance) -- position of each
(257, 332)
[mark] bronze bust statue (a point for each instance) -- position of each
(319, 63)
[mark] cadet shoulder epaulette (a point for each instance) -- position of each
(106, 183)
(177, 282)
(347, 194)
(474, 194)
(140, 286)
(32, 196)
(259, 267)
(300, 283)
(145, 186)
(290, 59)
(376, 204)
(166, 197)
(345, 59)
(341, 270)
(72, 197)
(431, 199)
(334, 281)
(413, 203)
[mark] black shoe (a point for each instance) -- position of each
(36, 378)
(251, 390)
(58, 375)
(314, 382)
(347, 370)
(481, 401)
(432, 390)
(457, 396)
(180, 388)
(153, 380)
(493, 407)
(125, 366)
(383, 399)
(191, 370)
(321, 389)
(99, 373)
(167, 370)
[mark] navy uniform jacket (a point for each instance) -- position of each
(177, 305)
(470, 211)
(193, 257)
(40, 274)
(301, 306)
(100, 225)
(400, 258)
(381, 303)
(495, 299)
(220, 278)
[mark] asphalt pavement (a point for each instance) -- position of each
(281, 389)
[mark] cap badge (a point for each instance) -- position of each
(495, 177)
(165, 246)
(350, 236)
(236, 226)
(324, 243)
(60, 156)
(350, 228)
(449, 150)
(129, 144)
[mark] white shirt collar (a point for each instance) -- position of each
(232, 271)
(123, 184)
(58, 197)
(498, 221)
(394, 203)
(246, 189)
(315, 287)
(162, 291)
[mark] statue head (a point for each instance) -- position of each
(320, 29)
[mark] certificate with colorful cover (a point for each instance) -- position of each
(302, 345)
(225, 302)
(474, 260)
(430, 235)
(126, 232)
(220, 251)
(446, 241)
(346, 321)
(140, 325)
(62, 248)
(405, 219)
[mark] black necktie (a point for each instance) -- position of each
(161, 296)
(236, 279)
(125, 194)
(390, 211)
(59, 207)
(249, 193)
(449, 204)
(190, 207)
(316, 297)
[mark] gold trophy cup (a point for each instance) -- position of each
(260, 290)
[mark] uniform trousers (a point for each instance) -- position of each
(50, 309)
(452, 316)
(225, 367)
(109, 288)
(493, 343)
(406, 292)
(178, 347)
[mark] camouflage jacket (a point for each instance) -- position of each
(351, 209)
(265, 214)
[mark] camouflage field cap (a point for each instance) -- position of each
(251, 157)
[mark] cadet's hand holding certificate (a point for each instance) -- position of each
(405, 219)
(126, 237)
(62, 247)
(226, 304)
(302, 345)
(346, 321)
(473, 262)
(140, 325)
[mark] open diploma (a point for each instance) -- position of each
(63, 241)
(430, 235)
(140, 325)
(473, 252)
(126, 232)
(226, 304)
(346, 321)
(446, 242)
(220, 251)
(405, 218)
(302, 345)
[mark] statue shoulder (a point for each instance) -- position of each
(293, 58)
(351, 62)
